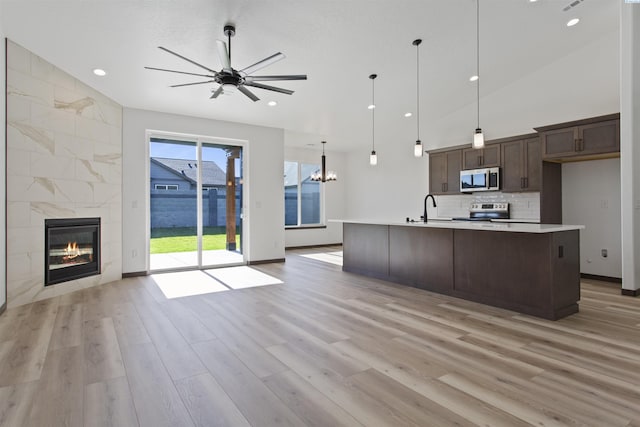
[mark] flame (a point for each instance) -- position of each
(72, 250)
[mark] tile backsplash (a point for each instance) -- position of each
(525, 206)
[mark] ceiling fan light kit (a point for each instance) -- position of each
(229, 79)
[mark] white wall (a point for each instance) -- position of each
(582, 84)
(334, 197)
(3, 202)
(393, 189)
(574, 87)
(264, 201)
(591, 197)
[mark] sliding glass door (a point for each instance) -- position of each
(195, 203)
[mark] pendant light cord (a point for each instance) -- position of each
(418, 88)
(478, 57)
(373, 112)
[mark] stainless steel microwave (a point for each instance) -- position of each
(487, 179)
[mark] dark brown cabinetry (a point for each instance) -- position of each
(444, 172)
(486, 157)
(433, 268)
(597, 137)
(521, 165)
(537, 274)
(366, 249)
(532, 273)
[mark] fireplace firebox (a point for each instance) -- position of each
(72, 249)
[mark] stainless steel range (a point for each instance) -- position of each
(486, 212)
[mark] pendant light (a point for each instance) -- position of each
(417, 149)
(373, 158)
(323, 175)
(478, 137)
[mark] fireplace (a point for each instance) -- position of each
(72, 249)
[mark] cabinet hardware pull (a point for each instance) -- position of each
(442, 185)
(581, 144)
(521, 182)
(479, 161)
(526, 182)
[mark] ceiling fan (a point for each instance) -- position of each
(229, 79)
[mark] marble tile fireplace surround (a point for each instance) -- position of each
(64, 161)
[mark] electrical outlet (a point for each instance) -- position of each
(604, 253)
(604, 204)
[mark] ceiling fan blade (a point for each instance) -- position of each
(274, 78)
(261, 64)
(275, 89)
(248, 93)
(179, 72)
(191, 84)
(187, 59)
(223, 53)
(216, 93)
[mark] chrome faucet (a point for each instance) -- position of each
(425, 205)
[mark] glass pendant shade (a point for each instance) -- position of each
(417, 149)
(373, 158)
(478, 139)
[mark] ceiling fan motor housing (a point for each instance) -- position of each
(233, 78)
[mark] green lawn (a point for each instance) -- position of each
(168, 240)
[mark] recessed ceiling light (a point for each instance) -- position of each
(408, 114)
(99, 72)
(371, 107)
(272, 103)
(532, 1)
(573, 22)
(473, 78)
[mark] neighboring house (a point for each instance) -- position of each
(173, 193)
(178, 174)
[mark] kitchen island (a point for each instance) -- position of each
(529, 268)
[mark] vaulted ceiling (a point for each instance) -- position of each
(337, 43)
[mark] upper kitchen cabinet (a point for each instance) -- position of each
(444, 172)
(489, 156)
(594, 138)
(521, 164)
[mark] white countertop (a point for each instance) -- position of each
(472, 225)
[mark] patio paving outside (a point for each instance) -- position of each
(190, 259)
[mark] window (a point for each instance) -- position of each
(166, 187)
(302, 201)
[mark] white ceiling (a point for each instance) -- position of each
(337, 43)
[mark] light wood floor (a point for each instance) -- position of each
(325, 348)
